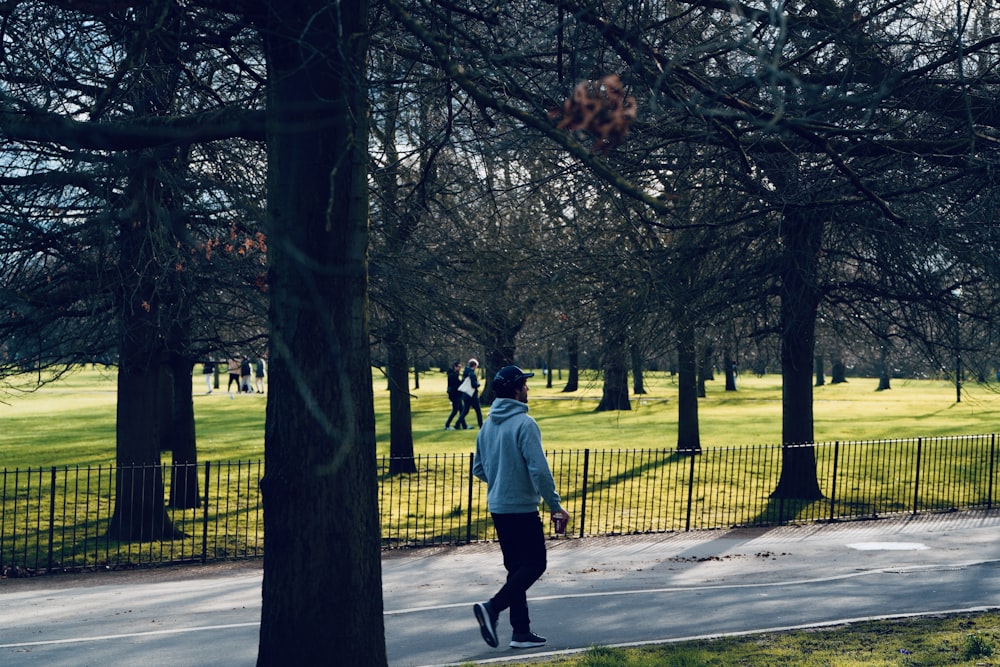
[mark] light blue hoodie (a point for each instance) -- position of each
(510, 459)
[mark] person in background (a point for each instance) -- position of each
(208, 372)
(471, 402)
(510, 459)
(455, 396)
(234, 375)
(245, 375)
(259, 374)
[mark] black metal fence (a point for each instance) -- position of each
(56, 519)
(62, 518)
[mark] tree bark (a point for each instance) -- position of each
(615, 393)
(573, 355)
(705, 369)
(884, 377)
(184, 480)
(802, 236)
(400, 416)
(143, 243)
(820, 375)
(139, 513)
(322, 590)
(638, 388)
(688, 434)
(838, 374)
(730, 371)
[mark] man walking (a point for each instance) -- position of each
(510, 459)
(454, 396)
(471, 401)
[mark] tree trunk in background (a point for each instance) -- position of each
(688, 434)
(638, 388)
(615, 394)
(838, 372)
(884, 377)
(573, 354)
(501, 348)
(184, 480)
(820, 376)
(400, 416)
(705, 369)
(730, 371)
(322, 588)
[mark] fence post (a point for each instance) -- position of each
(204, 515)
(52, 519)
(989, 496)
(583, 489)
(916, 478)
(687, 518)
(833, 490)
(468, 520)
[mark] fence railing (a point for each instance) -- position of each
(56, 519)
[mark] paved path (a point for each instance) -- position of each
(612, 591)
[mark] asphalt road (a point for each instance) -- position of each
(610, 591)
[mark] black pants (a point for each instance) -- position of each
(522, 541)
(456, 408)
(471, 402)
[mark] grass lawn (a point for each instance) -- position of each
(970, 640)
(71, 422)
(750, 416)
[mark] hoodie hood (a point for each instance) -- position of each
(503, 409)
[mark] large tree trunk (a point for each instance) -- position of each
(144, 247)
(139, 511)
(322, 589)
(688, 434)
(802, 237)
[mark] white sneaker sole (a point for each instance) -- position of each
(486, 625)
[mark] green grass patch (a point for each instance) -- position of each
(72, 421)
(969, 640)
(749, 416)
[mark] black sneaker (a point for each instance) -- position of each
(526, 640)
(487, 623)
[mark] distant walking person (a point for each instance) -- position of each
(455, 396)
(245, 375)
(510, 459)
(234, 375)
(208, 371)
(259, 374)
(471, 402)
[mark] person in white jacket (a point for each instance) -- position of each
(510, 459)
